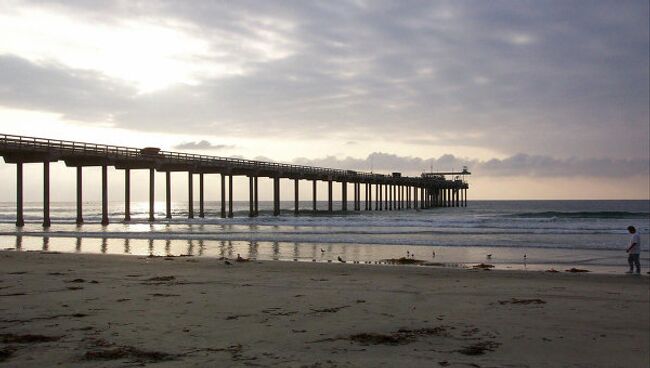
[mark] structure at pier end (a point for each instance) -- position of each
(380, 192)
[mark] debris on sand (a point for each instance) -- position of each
(378, 339)
(162, 278)
(576, 270)
(128, 352)
(26, 339)
(76, 281)
(522, 301)
(164, 295)
(403, 261)
(400, 337)
(479, 348)
(6, 353)
(552, 270)
(482, 266)
(329, 310)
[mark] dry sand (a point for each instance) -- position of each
(119, 311)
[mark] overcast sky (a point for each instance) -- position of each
(532, 95)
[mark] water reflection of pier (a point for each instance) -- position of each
(227, 249)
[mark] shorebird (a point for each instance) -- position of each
(322, 250)
(433, 253)
(408, 254)
(340, 259)
(489, 256)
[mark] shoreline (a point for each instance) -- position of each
(602, 261)
(111, 310)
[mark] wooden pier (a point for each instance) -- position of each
(386, 192)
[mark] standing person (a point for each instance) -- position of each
(634, 250)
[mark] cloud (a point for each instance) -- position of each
(558, 79)
(203, 145)
(516, 165)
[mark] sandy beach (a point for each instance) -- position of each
(116, 311)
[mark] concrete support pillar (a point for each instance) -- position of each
(251, 196)
(407, 197)
(425, 198)
(201, 196)
(168, 194)
(152, 194)
(329, 195)
(422, 199)
(104, 195)
(379, 197)
(190, 195)
(46, 194)
(296, 199)
(230, 189)
(398, 197)
(366, 198)
(257, 201)
(276, 196)
(385, 190)
(369, 203)
(395, 196)
(391, 193)
(415, 197)
(80, 216)
(344, 196)
(465, 197)
(223, 195)
(376, 197)
(127, 194)
(314, 195)
(20, 218)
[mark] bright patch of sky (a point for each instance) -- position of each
(150, 53)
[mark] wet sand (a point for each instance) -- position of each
(115, 311)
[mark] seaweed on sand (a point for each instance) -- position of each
(403, 261)
(128, 352)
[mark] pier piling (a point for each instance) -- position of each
(80, 218)
(20, 219)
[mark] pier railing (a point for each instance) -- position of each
(73, 148)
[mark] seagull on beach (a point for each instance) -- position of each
(322, 250)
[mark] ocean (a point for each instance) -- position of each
(529, 235)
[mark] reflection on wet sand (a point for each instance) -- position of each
(509, 258)
(276, 251)
(201, 247)
(252, 249)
